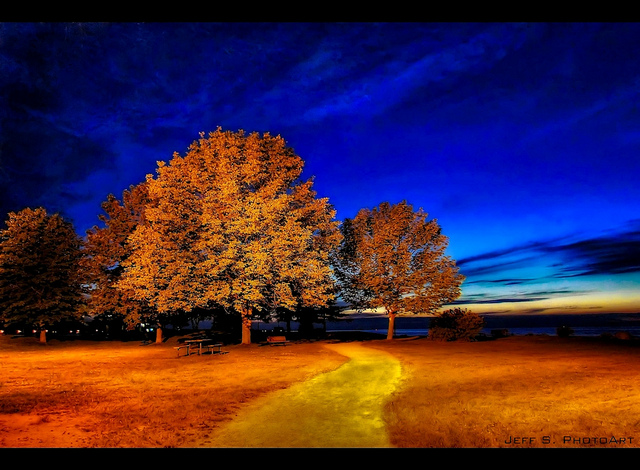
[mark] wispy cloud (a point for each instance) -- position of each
(503, 281)
(481, 298)
(615, 252)
(395, 80)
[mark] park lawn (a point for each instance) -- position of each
(123, 394)
(459, 394)
(520, 391)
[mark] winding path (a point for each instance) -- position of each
(341, 408)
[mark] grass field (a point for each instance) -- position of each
(528, 391)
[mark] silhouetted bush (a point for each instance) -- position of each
(455, 324)
(564, 331)
(623, 335)
(500, 333)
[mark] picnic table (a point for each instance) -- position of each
(199, 345)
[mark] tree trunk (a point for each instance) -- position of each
(246, 326)
(43, 335)
(158, 335)
(392, 325)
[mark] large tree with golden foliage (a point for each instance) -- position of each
(230, 224)
(40, 281)
(106, 249)
(394, 258)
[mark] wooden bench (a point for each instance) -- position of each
(277, 340)
(184, 346)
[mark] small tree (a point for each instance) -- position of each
(40, 282)
(394, 258)
(105, 250)
(455, 324)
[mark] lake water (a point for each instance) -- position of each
(582, 325)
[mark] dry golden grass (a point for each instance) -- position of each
(115, 394)
(483, 394)
(516, 392)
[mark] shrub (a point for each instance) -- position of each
(564, 331)
(455, 324)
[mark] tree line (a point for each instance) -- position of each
(228, 230)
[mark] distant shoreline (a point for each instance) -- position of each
(583, 324)
(589, 324)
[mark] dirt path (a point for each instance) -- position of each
(342, 408)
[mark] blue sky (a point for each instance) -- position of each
(522, 139)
